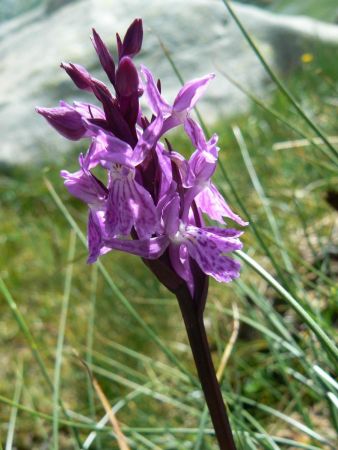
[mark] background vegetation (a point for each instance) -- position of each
(325, 9)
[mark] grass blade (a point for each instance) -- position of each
(278, 82)
(228, 180)
(60, 340)
(315, 142)
(326, 378)
(90, 344)
(14, 411)
(263, 198)
(326, 341)
(33, 347)
(285, 418)
(267, 438)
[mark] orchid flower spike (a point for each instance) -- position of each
(153, 201)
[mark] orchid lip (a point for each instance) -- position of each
(118, 171)
(180, 236)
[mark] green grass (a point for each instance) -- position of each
(279, 380)
(323, 10)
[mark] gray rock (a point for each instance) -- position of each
(53, 5)
(199, 34)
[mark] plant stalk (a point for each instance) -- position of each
(193, 319)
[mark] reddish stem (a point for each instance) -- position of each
(193, 319)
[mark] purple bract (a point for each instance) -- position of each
(152, 202)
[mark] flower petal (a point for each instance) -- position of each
(164, 169)
(94, 236)
(207, 249)
(197, 137)
(147, 140)
(156, 102)
(119, 213)
(202, 166)
(132, 41)
(80, 76)
(151, 248)
(212, 203)
(224, 232)
(83, 185)
(66, 120)
(179, 258)
(105, 57)
(126, 78)
(88, 111)
(144, 211)
(170, 208)
(191, 92)
(111, 149)
(195, 132)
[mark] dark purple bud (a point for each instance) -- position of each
(80, 76)
(114, 118)
(159, 86)
(129, 108)
(105, 57)
(101, 123)
(144, 122)
(126, 78)
(100, 90)
(120, 127)
(65, 120)
(103, 94)
(119, 45)
(132, 41)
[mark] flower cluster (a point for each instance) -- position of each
(152, 202)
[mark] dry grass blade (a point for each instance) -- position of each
(302, 143)
(120, 437)
(230, 344)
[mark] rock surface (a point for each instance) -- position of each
(199, 34)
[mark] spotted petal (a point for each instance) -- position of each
(95, 235)
(208, 251)
(119, 214)
(130, 204)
